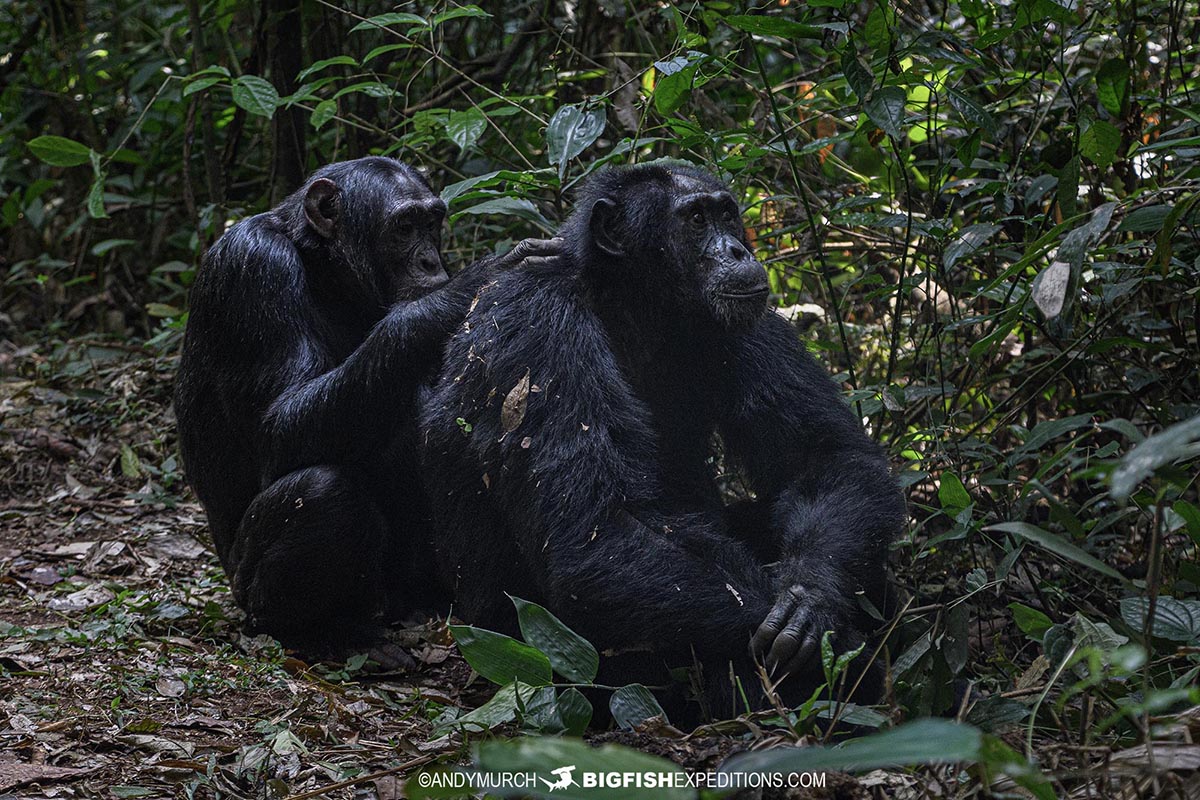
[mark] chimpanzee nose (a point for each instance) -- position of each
(736, 250)
(430, 262)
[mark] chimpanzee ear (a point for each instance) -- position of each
(322, 206)
(603, 227)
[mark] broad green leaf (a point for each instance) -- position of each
(886, 109)
(131, 465)
(465, 127)
(1068, 187)
(502, 708)
(877, 32)
(952, 494)
(1051, 429)
(1100, 142)
(502, 659)
(858, 77)
(570, 654)
(996, 712)
(968, 240)
(325, 111)
(1033, 623)
(324, 63)
(634, 704)
(1112, 85)
(1177, 620)
(924, 741)
(512, 206)
(369, 88)
(1147, 219)
(256, 95)
(570, 131)
(972, 112)
(458, 13)
(200, 84)
(575, 711)
(60, 151)
(773, 26)
(1056, 544)
(1177, 443)
(392, 18)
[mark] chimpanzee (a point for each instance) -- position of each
(311, 328)
(572, 439)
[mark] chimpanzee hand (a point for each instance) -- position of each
(789, 640)
(530, 253)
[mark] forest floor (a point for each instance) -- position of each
(124, 671)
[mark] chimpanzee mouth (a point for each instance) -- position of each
(745, 294)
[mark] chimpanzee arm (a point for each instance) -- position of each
(575, 481)
(834, 505)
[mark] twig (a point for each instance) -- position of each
(407, 765)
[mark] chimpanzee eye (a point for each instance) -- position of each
(697, 218)
(727, 216)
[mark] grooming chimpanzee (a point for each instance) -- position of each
(311, 327)
(598, 389)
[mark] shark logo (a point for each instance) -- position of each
(563, 779)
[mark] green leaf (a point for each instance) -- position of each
(392, 18)
(570, 131)
(256, 95)
(773, 26)
(465, 127)
(968, 240)
(972, 112)
(858, 77)
(1033, 623)
(1176, 620)
(60, 151)
(369, 88)
(1100, 142)
(925, 741)
(997, 757)
(886, 109)
(1177, 443)
(200, 84)
(877, 32)
(1056, 544)
(634, 704)
(325, 111)
(501, 659)
(312, 69)
(952, 494)
(1112, 85)
(1147, 219)
(1068, 187)
(95, 198)
(131, 465)
(501, 709)
(570, 654)
(512, 206)
(459, 13)
(111, 244)
(575, 711)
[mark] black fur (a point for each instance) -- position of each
(602, 502)
(296, 399)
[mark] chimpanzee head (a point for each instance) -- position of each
(377, 220)
(672, 234)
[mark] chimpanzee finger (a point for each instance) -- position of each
(527, 248)
(789, 642)
(778, 616)
(803, 657)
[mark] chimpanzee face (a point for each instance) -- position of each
(712, 251)
(384, 225)
(680, 236)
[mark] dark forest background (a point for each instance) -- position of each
(982, 216)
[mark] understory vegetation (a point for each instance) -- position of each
(982, 216)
